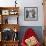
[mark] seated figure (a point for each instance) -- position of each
(30, 38)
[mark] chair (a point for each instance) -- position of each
(28, 34)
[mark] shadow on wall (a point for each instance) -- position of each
(37, 29)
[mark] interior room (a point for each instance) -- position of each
(22, 23)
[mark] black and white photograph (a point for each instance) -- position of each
(30, 13)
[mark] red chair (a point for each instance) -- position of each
(29, 33)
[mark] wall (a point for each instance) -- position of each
(44, 12)
(31, 3)
(44, 21)
(26, 3)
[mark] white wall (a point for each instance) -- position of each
(31, 3)
(26, 3)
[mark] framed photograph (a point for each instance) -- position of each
(30, 13)
(5, 12)
(13, 12)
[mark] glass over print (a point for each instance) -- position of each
(30, 13)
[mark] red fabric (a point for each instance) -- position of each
(28, 33)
